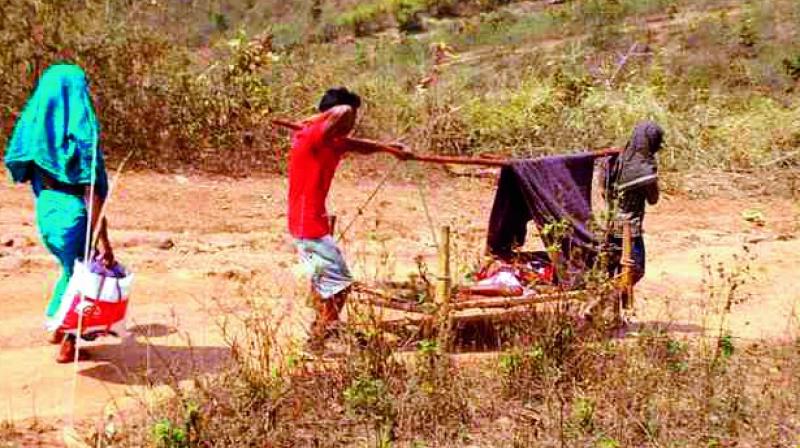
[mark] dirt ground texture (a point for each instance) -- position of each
(200, 246)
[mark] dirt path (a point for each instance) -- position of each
(200, 246)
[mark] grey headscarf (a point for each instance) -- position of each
(637, 163)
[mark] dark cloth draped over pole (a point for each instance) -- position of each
(546, 190)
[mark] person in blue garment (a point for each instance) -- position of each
(54, 147)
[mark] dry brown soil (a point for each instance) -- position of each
(200, 245)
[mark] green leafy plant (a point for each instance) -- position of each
(607, 442)
(362, 17)
(726, 346)
(168, 435)
(408, 13)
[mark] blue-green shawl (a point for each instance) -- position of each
(58, 132)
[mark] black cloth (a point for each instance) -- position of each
(635, 170)
(546, 190)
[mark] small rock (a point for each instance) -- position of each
(757, 239)
(167, 244)
(754, 216)
(183, 180)
(15, 241)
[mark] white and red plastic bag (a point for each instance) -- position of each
(98, 296)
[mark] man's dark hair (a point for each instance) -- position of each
(338, 97)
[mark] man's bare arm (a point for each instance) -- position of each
(339, 122)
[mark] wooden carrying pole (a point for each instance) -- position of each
(433, 159)
(395, 151)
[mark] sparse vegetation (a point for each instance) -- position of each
(718, 75)
(554, 383)
(195, 86)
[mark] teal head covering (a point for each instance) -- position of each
(58, 132)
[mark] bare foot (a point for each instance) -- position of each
(66, 352)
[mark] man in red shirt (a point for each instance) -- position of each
(316, 151)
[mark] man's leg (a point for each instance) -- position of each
(326, 322)
(330, 285)
(327, 314)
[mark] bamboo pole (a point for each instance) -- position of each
(446, 160)
(443, 289)
(443, 281)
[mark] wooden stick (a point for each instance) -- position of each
(395, 305)
(107, 200)
(332, 224)
(443, 290)
(398, 305)
(624, 61)
(443, 280)
(382, 147)
(510, 302)
(781, 158)
(384, 300)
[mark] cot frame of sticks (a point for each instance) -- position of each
(446, 310)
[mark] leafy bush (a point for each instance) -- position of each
(204, 102)
(362, 19)
(407, 14)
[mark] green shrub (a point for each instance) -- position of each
(167, 435)
(364, 18)
(407, 14)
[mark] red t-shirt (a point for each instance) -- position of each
(312, 164)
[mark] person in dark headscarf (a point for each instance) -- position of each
(55, 147)
(631, 184)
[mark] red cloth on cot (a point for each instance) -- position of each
(312, 164)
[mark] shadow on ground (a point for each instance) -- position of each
(133, 363)
(152, 330)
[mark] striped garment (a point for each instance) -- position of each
(324, 263)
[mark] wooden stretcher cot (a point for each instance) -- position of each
(445, 307)
(448, 307)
